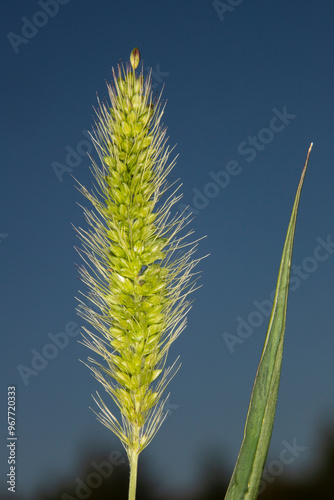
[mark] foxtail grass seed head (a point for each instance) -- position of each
(138, 266)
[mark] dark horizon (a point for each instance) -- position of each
(100, 474)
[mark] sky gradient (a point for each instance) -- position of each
(248, 88)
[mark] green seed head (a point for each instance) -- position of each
(139, 268)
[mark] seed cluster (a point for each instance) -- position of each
(140, 280)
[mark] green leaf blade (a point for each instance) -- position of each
(248, 470)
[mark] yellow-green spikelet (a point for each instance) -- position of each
(136, 283)
(139, 285)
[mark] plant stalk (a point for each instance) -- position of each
(133, 474)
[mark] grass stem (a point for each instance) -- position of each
(133, 475)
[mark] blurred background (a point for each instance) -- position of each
(248, 85)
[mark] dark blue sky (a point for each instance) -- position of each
(248, 90)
